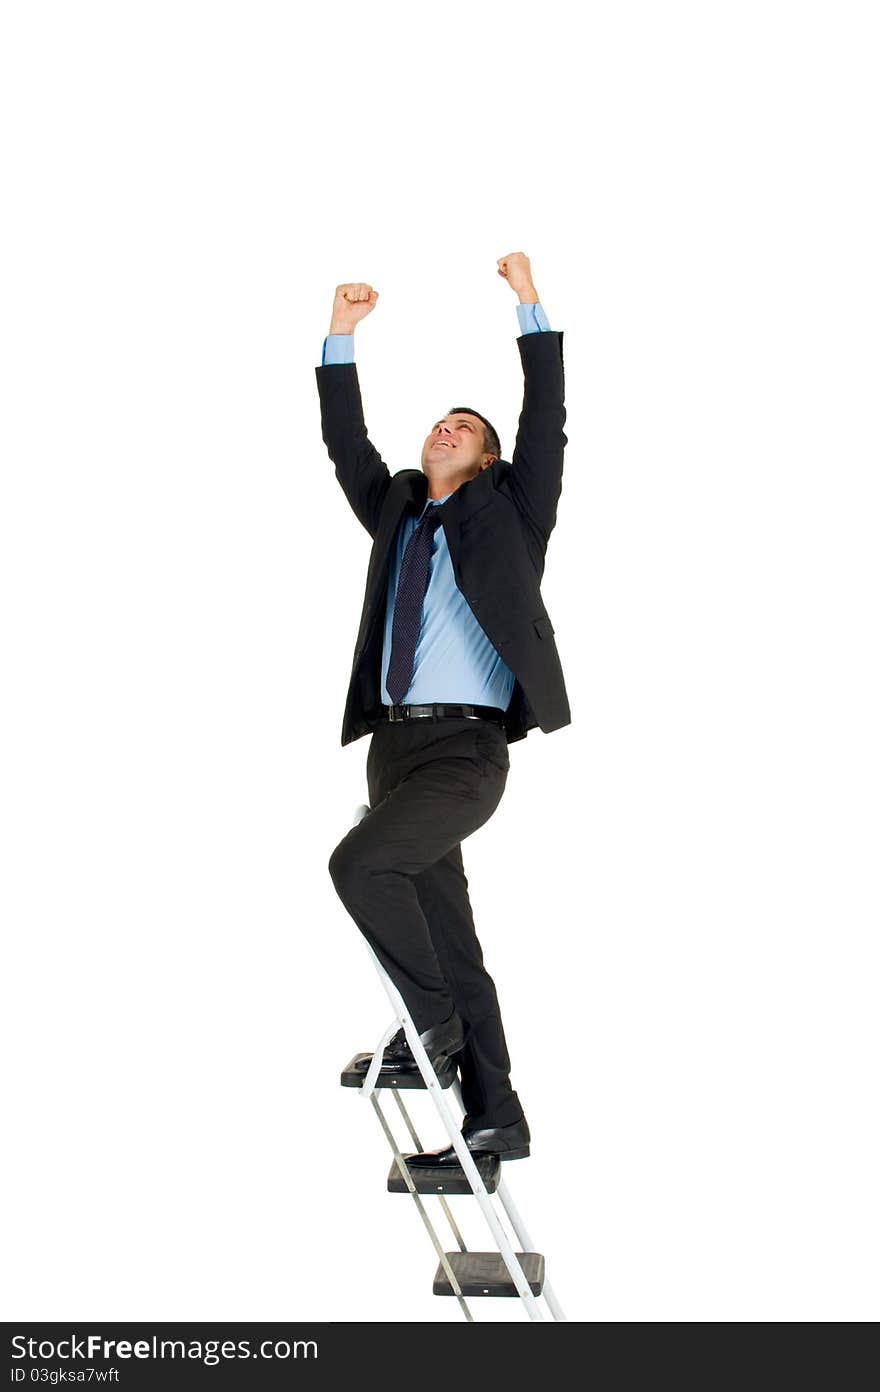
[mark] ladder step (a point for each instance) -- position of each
(446, 1179)
(353, 1077)
(484, 1273)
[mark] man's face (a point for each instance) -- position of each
(454, 448)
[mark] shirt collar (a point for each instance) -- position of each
(435, 502)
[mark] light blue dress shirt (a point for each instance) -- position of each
(454, 659)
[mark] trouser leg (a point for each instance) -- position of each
(429, 790)
(484, 1062)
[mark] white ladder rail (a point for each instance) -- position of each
(423, 1212)
(519, 1227)
(462, 1246)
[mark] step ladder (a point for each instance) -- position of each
(460, 1273)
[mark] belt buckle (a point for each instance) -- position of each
(396, 713)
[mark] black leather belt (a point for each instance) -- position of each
(441, 711)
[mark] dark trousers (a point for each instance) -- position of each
(400, 875)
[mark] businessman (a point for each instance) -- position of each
(455, 659)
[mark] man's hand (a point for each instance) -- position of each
(351, 304)
(516, 270)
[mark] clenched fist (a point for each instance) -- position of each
(351, 304)
(517, 271)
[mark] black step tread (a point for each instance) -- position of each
(484, 1273)
(445, 1179)
(350, 1077)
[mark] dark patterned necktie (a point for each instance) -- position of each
(408, 604)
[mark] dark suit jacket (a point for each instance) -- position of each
(497, 526)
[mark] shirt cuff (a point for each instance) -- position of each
(532, 318)
(338, 348)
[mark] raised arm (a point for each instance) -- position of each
(359, 468)
(535, 479)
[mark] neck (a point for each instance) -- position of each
(443, 487)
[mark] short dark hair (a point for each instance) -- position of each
(491, 443)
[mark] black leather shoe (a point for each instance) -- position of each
(396, 1057)
(507, 1142)
(440, 1042)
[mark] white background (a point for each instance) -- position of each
(677, 895)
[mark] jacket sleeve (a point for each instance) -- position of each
(535, 478)
(359, 468)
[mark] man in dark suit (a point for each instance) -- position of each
(455, 659)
